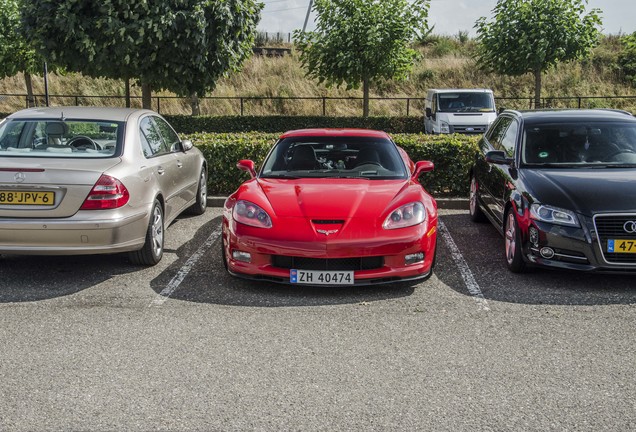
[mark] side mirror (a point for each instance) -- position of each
(247, 165)
(422, 167)
(186, 145)
(429, 113)
(498, 157)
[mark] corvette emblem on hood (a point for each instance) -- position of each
(326, 232)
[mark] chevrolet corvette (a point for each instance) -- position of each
(331, 207)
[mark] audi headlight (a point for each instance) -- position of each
(553, 215)
(249, 213)
(406, 216)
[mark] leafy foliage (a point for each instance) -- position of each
(183, 46)
(15, 54)
(359, 41)
(224, 124)
(452, 155)
(627, 58)
(535, 35)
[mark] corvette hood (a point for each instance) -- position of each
(331, 198)
(586, 191)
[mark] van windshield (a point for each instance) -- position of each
(465, 102)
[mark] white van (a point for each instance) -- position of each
(468, 111)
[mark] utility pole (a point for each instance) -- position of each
(311, 2)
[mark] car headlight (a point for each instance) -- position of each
(249, 213)
(553, 215)
(405, 216)
(444, 128)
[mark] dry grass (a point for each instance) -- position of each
(282, 77)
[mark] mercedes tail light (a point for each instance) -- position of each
(108, 193)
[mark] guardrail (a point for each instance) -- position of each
(302, 105)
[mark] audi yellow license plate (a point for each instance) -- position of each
(26, 198)
(621, 246)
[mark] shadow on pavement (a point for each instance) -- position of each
(209, 282)
(34, 278)
(482, 248)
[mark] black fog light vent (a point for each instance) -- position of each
(302, 263)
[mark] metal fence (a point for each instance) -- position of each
(311, 106)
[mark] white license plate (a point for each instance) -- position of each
(320, 277)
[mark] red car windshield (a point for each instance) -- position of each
(334, 157)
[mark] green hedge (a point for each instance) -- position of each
(275, 124)
(451, 154)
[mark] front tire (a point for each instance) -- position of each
(476, 213)
(512, 242)
(152, 251)
(200, 205)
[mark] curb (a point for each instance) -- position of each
(443, 203)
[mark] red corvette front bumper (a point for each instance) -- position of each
(388, 256)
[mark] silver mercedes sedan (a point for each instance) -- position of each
(80, 180)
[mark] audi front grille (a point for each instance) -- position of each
(616, 227)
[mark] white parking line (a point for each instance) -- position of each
(462, 265)
(183, 272)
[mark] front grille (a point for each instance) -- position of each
(610, 227)
(364, 263)
(470, 129)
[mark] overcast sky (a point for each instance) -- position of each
(448, 16)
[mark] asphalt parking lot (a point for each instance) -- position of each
(95, 343)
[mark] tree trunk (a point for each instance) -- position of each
(146, 96)
(365, 101)
(537, 88)
(127, 84)
(194, 104)
(30, 102)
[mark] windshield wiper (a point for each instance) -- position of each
(619, 166)
(280, 176)
(555, 165)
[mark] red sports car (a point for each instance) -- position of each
(332, 207)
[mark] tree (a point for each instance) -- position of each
(531, 36)
(16, 55)
(359, 41)
(183, 46)
(627, 58)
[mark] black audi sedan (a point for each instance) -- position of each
(560, 186)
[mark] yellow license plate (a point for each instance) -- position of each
(621, 246)
(26, 198)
